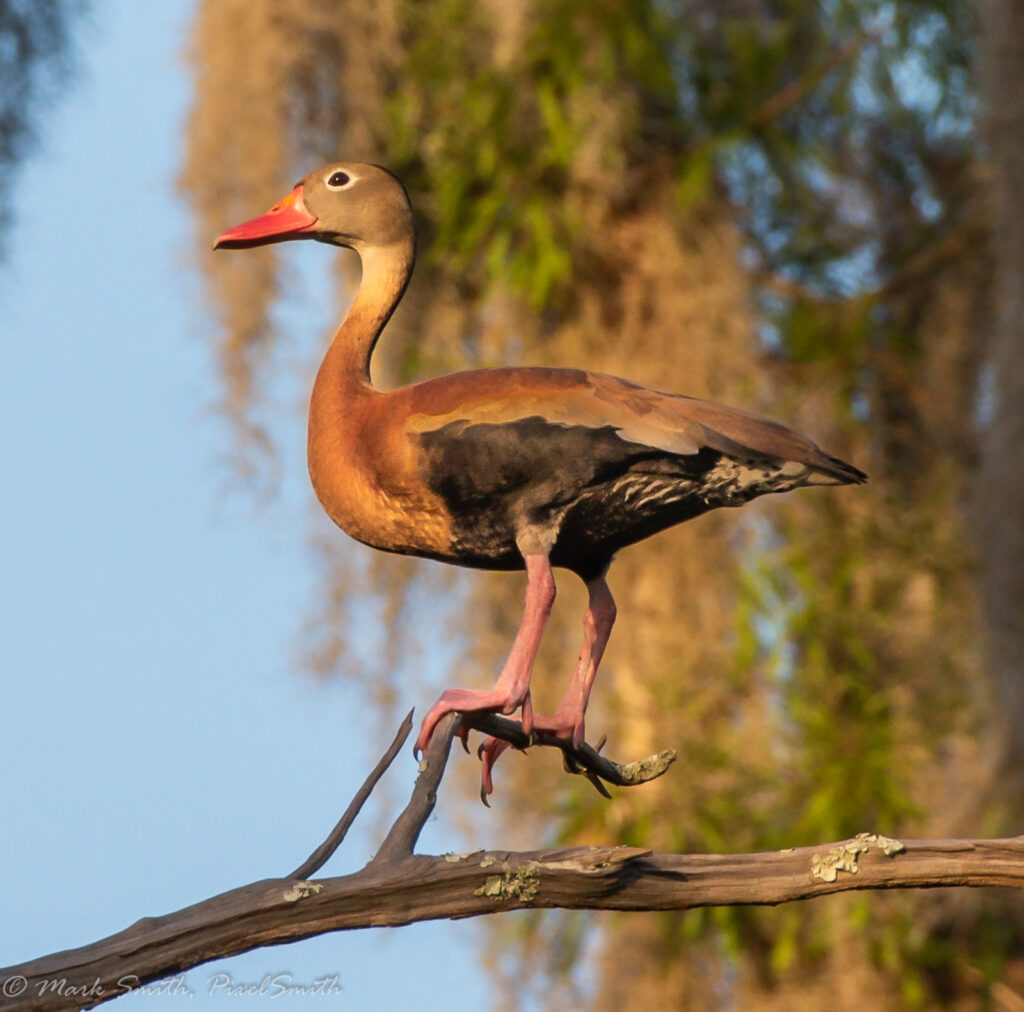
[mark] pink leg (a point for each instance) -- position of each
(597, 626)
(512, 689)
(567, 721)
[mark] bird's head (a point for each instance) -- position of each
(353, 204)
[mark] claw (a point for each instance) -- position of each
(463, 735)
(488, 754)
(598, 786)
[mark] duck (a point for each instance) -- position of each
(511, 468)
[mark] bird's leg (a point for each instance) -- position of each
(567, 721)
(512, 689)
(598, 620)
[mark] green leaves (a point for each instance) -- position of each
(490, 146)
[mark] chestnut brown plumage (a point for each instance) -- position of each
(508, 468)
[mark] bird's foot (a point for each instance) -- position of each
(469, 701)
(566, 726)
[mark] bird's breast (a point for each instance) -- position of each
(366, 478)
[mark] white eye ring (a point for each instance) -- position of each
(337, 179)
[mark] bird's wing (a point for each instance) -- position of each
(673, 423)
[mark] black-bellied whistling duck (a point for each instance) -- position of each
(508, 468)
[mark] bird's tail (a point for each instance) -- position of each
(838, 470)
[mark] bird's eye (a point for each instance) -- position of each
(337, 180)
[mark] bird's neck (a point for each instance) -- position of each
(386, 271)
(337, 409)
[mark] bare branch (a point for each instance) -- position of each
(796, 91)
(584, 760)
(405, 832)
(322, 854)
(416, 888)
(400, 887)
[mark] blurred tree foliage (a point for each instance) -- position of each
(35, 57)
(775, 204)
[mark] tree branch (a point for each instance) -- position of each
(323, 853)
(406, 831)
(400, 887)
(796, 91)
(585, 760)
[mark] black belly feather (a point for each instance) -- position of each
(596, 491)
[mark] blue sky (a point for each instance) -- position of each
(160, 743)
